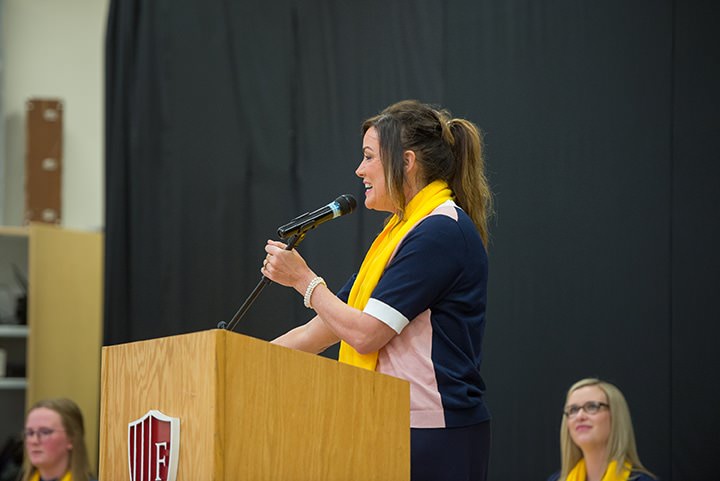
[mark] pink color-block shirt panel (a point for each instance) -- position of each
(408, 356)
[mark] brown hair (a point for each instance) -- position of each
(72, 421)
(446, 149)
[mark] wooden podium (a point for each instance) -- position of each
(250, 410)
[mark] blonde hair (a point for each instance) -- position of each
(621, 443)
(446, 149)
(72, 422)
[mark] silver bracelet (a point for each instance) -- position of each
(310, 288)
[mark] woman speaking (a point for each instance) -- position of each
(416, 307)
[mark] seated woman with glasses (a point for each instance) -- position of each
(55, 442)
(597, 442)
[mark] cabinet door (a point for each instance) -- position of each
(65, 314)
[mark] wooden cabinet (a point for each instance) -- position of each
(63, 338)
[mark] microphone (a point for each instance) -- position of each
(344, 204)
(296, 228)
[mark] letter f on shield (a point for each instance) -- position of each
(153, 447)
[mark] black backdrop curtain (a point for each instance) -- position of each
(226, 119)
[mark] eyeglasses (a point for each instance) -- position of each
(41, 433)
(590, 407)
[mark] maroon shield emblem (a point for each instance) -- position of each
(153, 445)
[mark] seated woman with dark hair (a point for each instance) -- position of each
(597, 442)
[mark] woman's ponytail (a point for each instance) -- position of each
(468, 181)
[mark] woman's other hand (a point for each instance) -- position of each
(286, 267)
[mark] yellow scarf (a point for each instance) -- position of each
(377, 258)
(36, 477)
(578, 473)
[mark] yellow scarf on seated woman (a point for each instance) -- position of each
(377, 258)
(578, 473)
(36, 477)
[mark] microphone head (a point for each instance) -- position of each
(347, 203)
